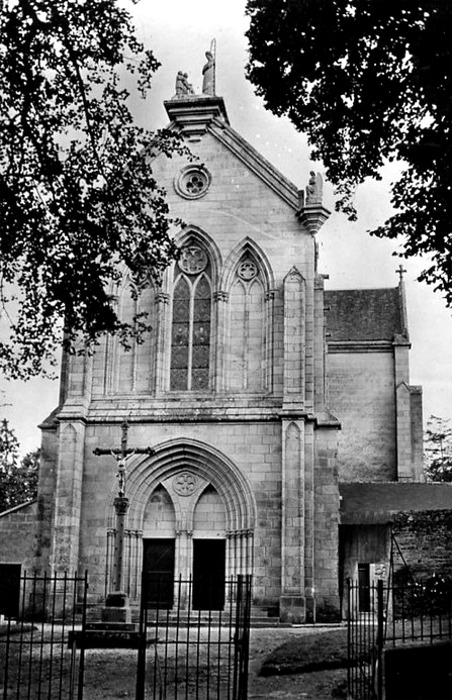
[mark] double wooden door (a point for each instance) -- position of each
(208, 573)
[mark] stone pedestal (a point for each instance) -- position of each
(292, 609)
(117, 609)
(117, 615)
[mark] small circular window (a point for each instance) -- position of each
(247, 270)
(192, 182)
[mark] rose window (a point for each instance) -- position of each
(195, 183)
(192, 182)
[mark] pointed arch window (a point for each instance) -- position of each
(191, 324)
(135, 364)
(247, 328)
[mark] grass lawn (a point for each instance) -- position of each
(307, 653)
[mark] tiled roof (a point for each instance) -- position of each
(363, 314)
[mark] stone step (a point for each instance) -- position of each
(261, 616)
(109, 626)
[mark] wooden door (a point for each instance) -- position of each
(209, 562)
(158, 572)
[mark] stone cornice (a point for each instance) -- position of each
(359, 346)
(213, 411)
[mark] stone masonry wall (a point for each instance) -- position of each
(361, 394)
(17, 541)
(326, 526)
(424, 539)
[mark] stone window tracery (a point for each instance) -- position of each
(191, 323)
(247, 328)
(192, 182)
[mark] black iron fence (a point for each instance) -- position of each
(192, 640)
(196, 646)
(382, 618)
(37, 657)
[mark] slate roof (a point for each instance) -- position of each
(363, 314)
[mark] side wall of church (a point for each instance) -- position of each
(362, 393)
(17, 544)
(326, 523)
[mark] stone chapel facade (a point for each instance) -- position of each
(259, 392)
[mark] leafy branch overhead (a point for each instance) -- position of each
(18, 478)
(369, 81)
(77, 196)
(438, 449)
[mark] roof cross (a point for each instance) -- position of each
(401, 271)
(122, 455)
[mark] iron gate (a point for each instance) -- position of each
(192, 648)
(397, 640)
(38, 656)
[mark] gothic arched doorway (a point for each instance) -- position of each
(193, 513)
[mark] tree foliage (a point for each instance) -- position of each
(18, 478)
(369, 81)
(77, 195)
(438, 449)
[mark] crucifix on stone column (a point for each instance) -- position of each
(121, 502)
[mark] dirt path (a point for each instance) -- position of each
(111, 674)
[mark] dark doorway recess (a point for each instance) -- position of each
(158, 572)
(9, 589)
(209, 557)
(364, 587)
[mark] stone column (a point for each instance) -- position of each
(320, 347)
(121, 504)
(66, 531)
(163, 339)
(270, 342)
(294, 340)
(326, 533)
(408, 416)
(46, 497)
(219, 370)
(292, 602)
(309, 532)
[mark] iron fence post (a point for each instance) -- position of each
(81, 668)
(141, 661)
(349, 624)
(380, 638)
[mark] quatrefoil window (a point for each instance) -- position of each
(247, 270)
(192, 182)
(196, 183)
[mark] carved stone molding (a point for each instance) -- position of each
(270, 295)
(184, 484)
(162, 298)
(221, 296)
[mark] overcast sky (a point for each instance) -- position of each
(180, 32)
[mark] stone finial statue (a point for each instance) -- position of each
(179, 83)
(314, 190)
(188, 86)
(183, 87)
(208, 72)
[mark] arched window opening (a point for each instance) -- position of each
(191, 324)
(135, 364)
(247, 329)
